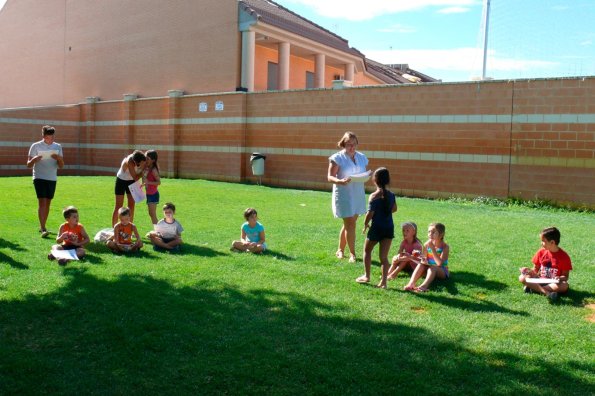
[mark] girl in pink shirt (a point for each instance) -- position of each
(409, 251)
(151, 180)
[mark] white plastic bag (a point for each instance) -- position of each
(104, 235)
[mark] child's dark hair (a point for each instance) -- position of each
(249, 212)
(382, 179)
(69, 211)
(551, 234)
(170, 206)
(138, 157)
(152, 155)
(124, 211)
(441, 228)
(48, 130)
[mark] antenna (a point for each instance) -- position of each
(486, 21)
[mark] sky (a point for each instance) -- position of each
(443, 39)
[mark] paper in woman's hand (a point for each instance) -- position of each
(137, 191)
(361, 177)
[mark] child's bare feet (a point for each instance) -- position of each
(408, 287)
(420, 290)
(352, 258)
(363, 279)
(381, 285)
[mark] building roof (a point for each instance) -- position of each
(396, 73)
(276, 15)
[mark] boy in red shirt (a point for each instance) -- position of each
(551, 267)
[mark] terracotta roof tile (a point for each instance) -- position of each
(396, 74)
(276, 15)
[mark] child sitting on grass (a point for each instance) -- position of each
(409, 251)
(71, 236)
(252, 234)
(168, 231)
(551, 265)
(434, 260)
(124, 231)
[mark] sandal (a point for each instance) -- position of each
(340, 254)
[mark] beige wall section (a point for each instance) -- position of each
(31, 53)
(363, 79)
(297, 70)
(62, 51)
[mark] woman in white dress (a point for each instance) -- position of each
(131, 169)
(349, 198)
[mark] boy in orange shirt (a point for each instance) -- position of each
(124, 230)
(71, 236)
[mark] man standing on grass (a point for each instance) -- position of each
(45, 157)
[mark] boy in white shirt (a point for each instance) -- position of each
(168, 231)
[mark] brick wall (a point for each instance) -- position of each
(528, 138)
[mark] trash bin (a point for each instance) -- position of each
(257, 162)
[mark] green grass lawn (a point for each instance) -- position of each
(291, 321)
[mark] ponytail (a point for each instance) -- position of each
(382, 179)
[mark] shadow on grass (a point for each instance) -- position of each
(278, 255)
(92, 259)
(446, 292)
(96, 247)
(476, 280)
(577, 298)
(5, 258)
(465, 304)
(141, 335)
(10, 245)
(200, 250)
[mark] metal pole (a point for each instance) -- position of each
(486, 22)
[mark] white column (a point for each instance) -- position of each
(283, 66)
(248, 48)
(319, 71)
(349, 71)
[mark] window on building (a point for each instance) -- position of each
(272, 76)
(309, 80)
